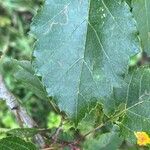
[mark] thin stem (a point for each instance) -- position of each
(94, 130)
(90, 132)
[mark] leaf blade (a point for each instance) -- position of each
(136, 97)
(15, 143)
(106, 141)
(76, 40)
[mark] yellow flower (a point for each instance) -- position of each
(142, 138)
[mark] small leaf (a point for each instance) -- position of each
(20, 132)
(15, 143)
(23, 72)
(107, 141)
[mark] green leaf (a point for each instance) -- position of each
(23, 72)
(20, 132)
(82, 50)
(141, 11)
(129, 2)
(107, 141)
(15, 143)
(136, 97)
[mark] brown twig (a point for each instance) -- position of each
(20, 112)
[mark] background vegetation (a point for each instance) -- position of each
(16, 43)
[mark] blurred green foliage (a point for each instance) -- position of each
(15, 18)
(53, 120)
(7, 119)
(15, 43)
